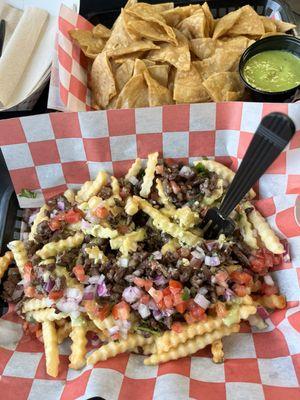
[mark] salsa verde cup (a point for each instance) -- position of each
(277, 42)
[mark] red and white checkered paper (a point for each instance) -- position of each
(68, 86)
(49, 152)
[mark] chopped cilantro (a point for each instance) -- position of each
(151, 257)
(146, 329)
(201, 169)
(27, 193)
(186, 294)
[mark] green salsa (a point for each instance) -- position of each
(273, 71)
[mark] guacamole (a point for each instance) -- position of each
(273, 71)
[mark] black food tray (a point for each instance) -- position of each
(106, 12)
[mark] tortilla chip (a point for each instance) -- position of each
(158, 94)
(124, 73)
(88, 43)
(134, 94)
(268, 24)
(193, 26)
(209, 20)
(223, 60)
(224, 86)
(121, 43)
(161, 7)
(225, 23)
(271, 34)
(112, 104)
(174, 16)
(188, 87)
(139, 67)
(130, 56)
(206, 47)
(249, 23)
(148, 13)
(179, 56)
(102, 81)
(283, 26)
(101, 31)
(160, 73)
(148, 63)
(138, 28)
(171, 79)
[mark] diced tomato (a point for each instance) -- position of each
(268, 290)
(30, 291)
(189, 318)
(72, 216)
(221, 309)
(56, 294)
(27, 271)
(101, 212)
(166, 291)
(243, 278)
(239, 290)
(103, 311)
(168, 301)
(161, 305)
(157, 295)
(145, 298)
(181, 308)
(177, 327)
(79, 273)
(268, 258)
(221, 278)
(143, 283)
(121, 310)
(54, 224)
(220, 290)
(197, 312)
(258, 265)
(175, 286)
(277, 259)
(177, 298)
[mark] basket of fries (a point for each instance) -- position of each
(114, 263)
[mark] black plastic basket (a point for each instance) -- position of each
(105, 12)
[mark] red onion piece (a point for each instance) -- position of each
(157, 315)
(159, 280)
(211, 244)
(85, 224)
(269, 280)
(168, 312)
(152, 305)
(201, 301)
(102, 290)
(263, 312)
(186, 172)
(67, 306)
(49, 285)
(113, 330)
(157, 255)
(74, 294)
(89, 292)
(135, 306)
(200, 255)
(213, 261)
(143, 310)
(131, 294)
(61, 205)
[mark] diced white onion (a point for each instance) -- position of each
(269, 280)
(198, 254)
(157, 255)
(201, 301)
(186, 172)
(123, 262)
(143, 311)
(212, 261)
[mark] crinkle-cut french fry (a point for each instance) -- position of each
(96, 254)
(61, 322)
(163, 223)
(5, 262)
(163, 198)
(64, 331)
(107, 323)
(257, 321)
(47, 314)
(115, 188)
(20, 254)
(134, 169)
(78, 347)
(272, 301)
(101, 232)
(149, 349)
(111, 349)
(128, 243)
(246, 230)
(215, 195)
(51, 348)
(149, 174)
(172, 245)
(222, 171)
(191, 346)
(91, 188)
(53, 248)
(70, 196)
(40, 217)
(131, 206)
(36, 304)
(172, 339)
(217, 351)
(267, 235)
